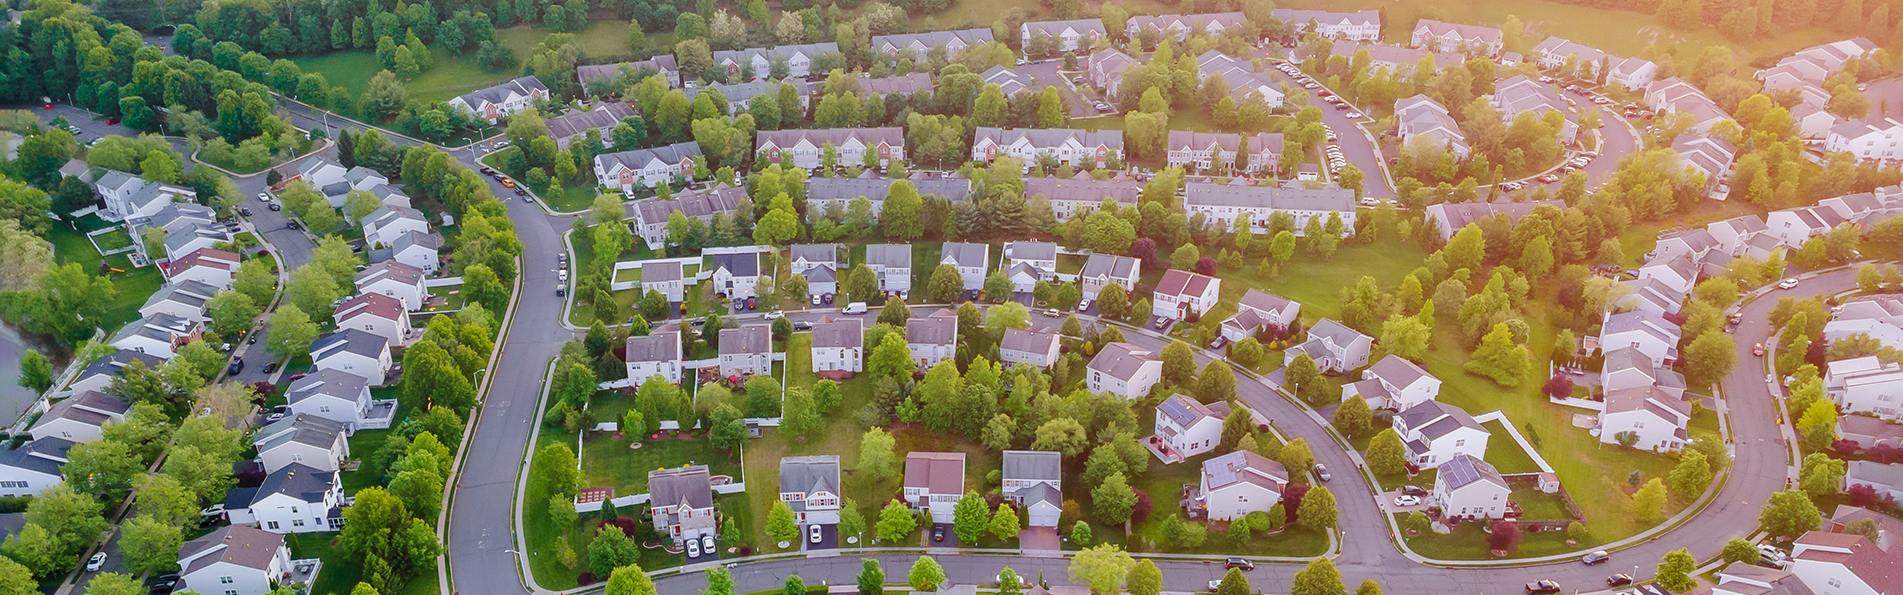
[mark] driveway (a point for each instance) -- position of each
(1040, 539)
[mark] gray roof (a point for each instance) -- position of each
(875, 188)
(966, 254)
(1264, 301)
(309, 430)
(701, 204)
(1339, 333)
(1084, 188)
(179, 238)
(931, 39)
(747, 339)
(92, 408)
(1300, 17)
(1398, 371)
(659, 346)
(1330, 198)
(639, 158)
(815, 253)
(185, 291)
(1028, 340)
(744, 92)
(326, 383)
(416, 238)
(44, 455)
(889, 255)
(1434, 419)
(1121, 360)
(1042, 465)
(1192, 22)
(1055, 27)
(242, 545)
(841, 333)
(1880, 474)
(686, 485)
(349, 340)
(1464, 469)
(111, 365)
(499, 93)
(872, 137)
(663, 64)
(578, 122)
(941, 328)
(1030, 250)
(158, 327)
(297, 480)
(1051, 137)
(1185, 411)
(809, 474)
(738, 264)
(178, 212)
(810, 50)
(661, 271)
(1244, 466)
(390, 269)
(1110, 265)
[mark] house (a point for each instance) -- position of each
(1422, 117)
(80, 418)
(1711, 158)
(894, 87)
(1675, 96)
(1078, 148)
(127, 196)
(1009, 80)
(1179, 27)
(1814, 121)
(934, 481)
(1125, 371)
(377, 314)
(160, 334)
(1519, 94)
(933, 338)
(650, 215)
(610, 79)
(1834, 563)
(1450, 218)
(1066, 36)
(740, 95)
(1104, 270)
(179, 229)
(825, 193)
(1028, 346)
(1436, 432)
(295, 499)
(1079, 194)
(1879, 316)
(1393, 383)
(735, 274)
(810, 486)
(1259, 312)
(1403, 62)
(1245, 84)
(656, 354)
(819, 264)
(33, 468)
(353, 351)
(1334, 347)
(574, 125)
(1651, 418)
(973, 262)
(671, 164)
(1236, 484)
(919, 46)
(762, 63)
(418, 249)
(1360, 25)
(1555, 52)
(1186, 427)
(1792, 226)
(1467, 487)
(336, 183)
(666, 278)
(184, 299)
(1226, 204)
(210, 266)
(1885, 478)
(1867, 140)
(1633, 73)
(1815, 65)
(1207, 150)
(397, 280)
(494, 103)
(891, 264)
(234, 560)
(308, 440)
(1027, 263)
(1183, 295)
(1869, 432)
(98, 375)
(1678, 273)
(746, 350)
(839, 349)
(1444, 36)
(387, 224)
(805, 148)
(681, 500)
(341, 397)
(1628, 367)
(1650, 333)
(1745, 578)
(1866, 385)
(1105, 69)
(1034, 480)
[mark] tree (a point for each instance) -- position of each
(1737, 549)
(1817, 427)
(36, 373)
(970, 518)
(611, 549)
(1144, 579)
(1788, 514)
(1386, 454)
(15, 578)
(292, 332)
(1234, 582)
(802, 416)
(1353, 416)
(1691, 475)
(150, 545)
(1406, 336)
(1820, 475)
(780, 524)
(871, 577)
(1114, 499)
(1674, 572)
(1101, 567)
(1179, 364)
(945, 286)
(1499, 358)
(1004, 523)
(230, 312)
(896, 521)
(1319, 578)
(629, 579)
(1080, 533)
(1318, 509)
(1709, 358)
(876, 455)
(1648, 504)
(925, 575)
(1368, 587)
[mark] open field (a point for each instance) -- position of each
(133, 285)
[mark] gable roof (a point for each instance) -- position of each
(1434, 419)
(1185, 411)
(1050, 137)
(92, 408)
(1041, 465)
(1463, 470)
(749, 339)
(738, 264)
(326, 383)
(874, 187)
(1120, 360)
(1462, 30)
(299, 428)
(1398, 371)
(239, 545)
(967, 254)
(1028, 340)
(349, 340)
(658, 346)
(937, 472)
(843, 333)
(941, 328)
(1181, 283)
(578, 122)
(499, 93)
(390, 270)
(691, 486)
(1299, 198)
(1084, 188)
(638, 159)
(838, 137)
(370, 304)
(809, 474)
(889, 255)
(1109, 266)
(1242, 467)
(299, 481)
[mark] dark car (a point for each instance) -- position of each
(938, 533)
(1619, 580)
(802, 325)
(236, 366)
(1242, 563)
(1596, 558)
(162, 584)
(251, 340)
(753, 304)
(1543, 586)
(270, 367)
(1414, 490)
(246, 211)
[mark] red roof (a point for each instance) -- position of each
(382, 306)
(1183, 283)
(207, 257)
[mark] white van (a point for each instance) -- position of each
(855, 308)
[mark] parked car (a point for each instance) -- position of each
(162, 583)
(1619, 580)
(1405, 500)
(1321, 471)
(775, 315)
(236, 366)
(1596, 558)
(98, 560)
(1542, 586)
(270, 367)
(1757, 349)
(275, 207)
(854, 308)
(1787, 283)
(1414, 490)
(1771, 555)
(815, 532)
(1242, 563)
(707, 544)
(693, 548)
(938, 533)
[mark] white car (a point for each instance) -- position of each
(1787, 283)
(1215, 584)
(693, 548)
(1354, 115)
(707, 544)
(1084, 305)
(775, 315)
(815, 533)
(1407, 500)
(1771, 554)
(98, 560)
(264, 197)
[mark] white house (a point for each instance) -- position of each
(1186, 428)
(1393, 383)
(1104, 69)
(1450, 218)
(184, 299)
(1711, 158)
(1747, 578)
(80, 418)
(934, 481)
(1104, 270)
(1125, 371)
(1845, 563)
(681, 500)
(397, 280)
(160, 334)
(1180, 26)
(377, 314)
(295, 499)
(336, 183)
(1732, 235)
(491, 104)
(1028, 346)
(131, 197)
(1034, 480)
(672, 164)
(665, 277)
(1422, 117)
(810, 486)
(1792, 226)
(1436, 432)
(1224, 204)
(819, 264)
(1880, 317)
(1207, 150)
(746, 350)
(1360, 25)
(933, 338)
(805, 148)
(1628, 367)
(1027, 263)
(33, 468)
(1067, 36)
(356, 352)
(1080, 194)
(1867, 140)
(1522, 95)
(99, 374)
(1236, 484)
(1260, 311)
(1467, 487)
(1885, 478)
(656, 354)
(735, 274)
(1650, 333)
(385, 225)
(234, 560)
(341, 397)
(1648, 416)
(891, 264)
(1675, 96)
(306, 440)
(973, 262)
(1445, 36)
(839, 347)
(1334, 347)
(1181, 295)
(1866, 385)
(759, 63)
(650, 215)
(418, 249)
(1245, 83)
(213, 267)
(1079, 148)
(919, 46)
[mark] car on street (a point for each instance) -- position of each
(1596, 558)
(1619, 580)
(275, 207)
(236, 366)
(802, 325)
(1321, 471)
(1787, 283)
(1355, 115)
(1770, 554)
(270, 367)
(162, 583)
(251, 340)
(508, 183)
(1541, 587)
(1757, 349)
(775, 315)
(1243, 563)
(1405, 500)
(96, 562)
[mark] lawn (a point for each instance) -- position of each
(1505, 454)
(603, 37)
(339, 576)
(449, 74)
(133, 285)
(607, 461)
(117, 239)
(1469, 542)
(365, 443)
(578, 195)
(1317, 283)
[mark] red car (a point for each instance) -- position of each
(1323, 93)
(1758, 350)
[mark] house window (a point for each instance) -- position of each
(297, 522)
(271, 525)
(224, 580)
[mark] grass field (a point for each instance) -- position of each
(133, 285)
(450, 74)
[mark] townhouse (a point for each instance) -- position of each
(610, 79)
(1245, 84)
(377, 314)
(234, 560)
(491, 104)
(933, 338)
(1675, 96)
(1436, 35)
(1866, 385)
(1179, 27)
(1032, 347)
(1226, 152)
(839, 350)
(1879, 316)
(810, 486)
(650, 215)
(1396, 61)
(1422, 117)
(1259, 312)
(973, 262)
(1867, 140)
(1183, 295)
(185, 299)
(825, 193)
(341, 397)
(736, 275)
(891, 265)
(1009, 80)
(1236, 484)
(159, 335)
(100, 373)
(656, 354)
(336, 183)
(739, 96)
(1224, 204)
(1076, 195)
(177, 229)
(1629, 367)
(1393, 383)
(210, 266)
(1360, 25)
(919, 46)
(819, 264)
(1435, 433)
(1065, 36)
(574, 125)
(301, 439)
(1651, 334)
(1027, 263)
(671, 164)
(397, 280)
(420, 249)
(1034, 480)
(353, 351)
(80, 418)
(1711, 158)
(1449, 218)
(1124, 370)
(127, 196)
(1522, 95)
(1333, 347)
(1186, 428)
(33, 468)
(1105, 69)
(806, 148)
(1078, 148)
(681, 502)
(385, 225)
(1467, 487)
(761, 63)
(1807, 70)
(746, 350)
(889, 87)
(1106, 270)
(934, 481)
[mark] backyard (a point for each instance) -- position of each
(132, 285)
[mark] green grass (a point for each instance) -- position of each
(1317, 283)
(1538, 505)
(577, 195)
(1505, 454)
(1468, 542)
(339, 575)
(608, 462)
(112, 241)
(132, 286)
(449, 75)
(603, 37)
